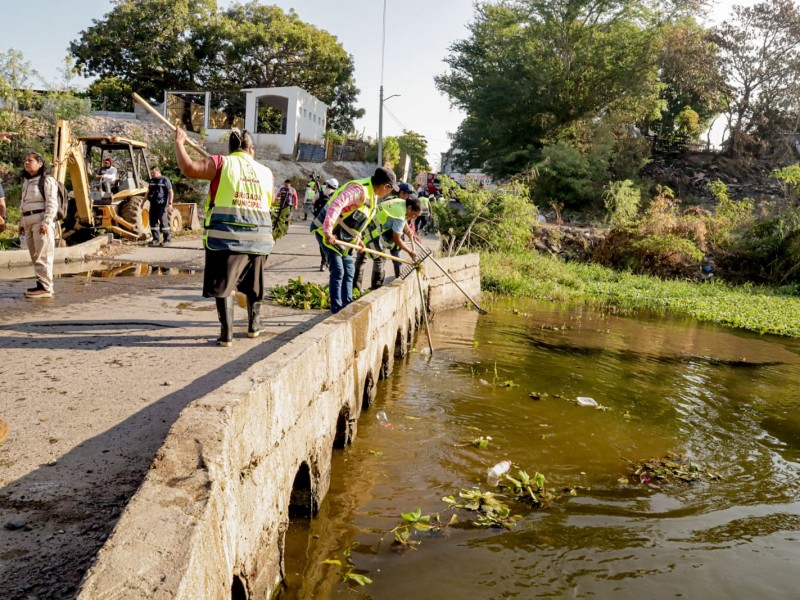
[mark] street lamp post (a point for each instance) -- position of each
(380, 101)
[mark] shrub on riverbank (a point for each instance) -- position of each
(755, 308)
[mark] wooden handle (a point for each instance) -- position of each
(157, 115)
(376, 252)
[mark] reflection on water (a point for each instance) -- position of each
(728, 400)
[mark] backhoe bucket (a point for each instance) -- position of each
(189, 215)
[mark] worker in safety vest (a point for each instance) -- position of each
(385, 233)
(346, 215)
(238, 226)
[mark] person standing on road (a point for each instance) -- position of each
(385, 233)
(238, 227)
(346, 215)
(421, 224)
(38, 208)
(311, 194)
(286, 200)
(160, 195)
(325, 193)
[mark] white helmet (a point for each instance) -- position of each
(332, 183)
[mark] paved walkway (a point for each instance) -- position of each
(91, 382)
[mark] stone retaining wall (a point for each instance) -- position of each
(210, 518)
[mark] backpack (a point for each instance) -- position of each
(61, 194)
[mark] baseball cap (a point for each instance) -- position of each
(384, 175)
(404, 187)
(107, 159)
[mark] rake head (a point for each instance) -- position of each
(422, 254)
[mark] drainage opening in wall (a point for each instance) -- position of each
(386, 364)
(301, 502)
(370, 390)
(238, 590)
(343, 429)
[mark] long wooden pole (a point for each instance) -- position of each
(156, 114)
(424, 306)
(376, 253)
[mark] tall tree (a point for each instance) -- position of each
(532, 68)
(158, 45)
(761, 59)
(691, 73)
(266, 47)
(416, 146)
(153, 45)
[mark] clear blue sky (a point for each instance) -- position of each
(418, 33)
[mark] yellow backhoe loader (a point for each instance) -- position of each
(121, 207)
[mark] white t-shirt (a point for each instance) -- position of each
(108, 174)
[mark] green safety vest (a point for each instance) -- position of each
(239, 219)
(378, 236)
(350, 224)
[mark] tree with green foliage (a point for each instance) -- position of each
(262, 46)
(111, 93)
(150, 46)
(761, 59)
(690, 72)
(153, 45)
(532, 68)
(416, 146)
(17, 77)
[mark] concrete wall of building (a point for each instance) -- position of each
(213, 511)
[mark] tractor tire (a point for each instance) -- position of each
(131, 211)
(175, 221)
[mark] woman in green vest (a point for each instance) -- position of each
(238, 227)
(385, 233)
(345, 216)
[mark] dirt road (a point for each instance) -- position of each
(91, 382)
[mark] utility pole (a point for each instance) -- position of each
(380, 102)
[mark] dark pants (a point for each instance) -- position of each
(159, 222)
(378, 274)
(377, 278)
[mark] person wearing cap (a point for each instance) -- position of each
(107, 174)
(385, 233)
(344, 218)
(404, 192)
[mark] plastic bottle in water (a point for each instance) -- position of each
(493, 475)
(383, 419)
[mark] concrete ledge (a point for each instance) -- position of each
(214, 507)
(20, 258)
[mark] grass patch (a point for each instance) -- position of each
(752, 307)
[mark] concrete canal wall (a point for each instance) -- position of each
(210, 518)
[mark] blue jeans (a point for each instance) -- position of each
(340, 283)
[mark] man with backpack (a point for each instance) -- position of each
(38, 209)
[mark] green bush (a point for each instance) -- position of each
(480, 218)
(622, 199)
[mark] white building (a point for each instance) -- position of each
(279, 116)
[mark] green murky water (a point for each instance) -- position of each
(728, 400)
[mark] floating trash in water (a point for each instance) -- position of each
(383, 418)
(586, 401)
(483, 382)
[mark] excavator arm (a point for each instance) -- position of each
(68, 157)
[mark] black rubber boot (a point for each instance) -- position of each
(253, 319)
(225, 314)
